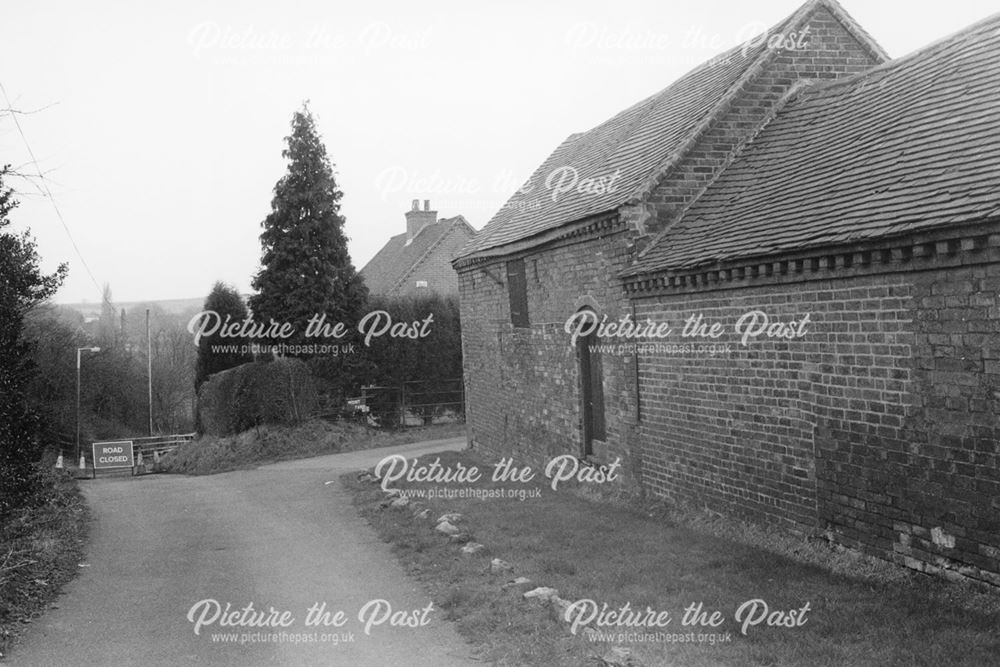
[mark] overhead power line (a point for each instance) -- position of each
(48, 194)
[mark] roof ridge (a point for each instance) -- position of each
(924, 51)
(856, 30)
(464, 222)
(737, 151)
(650, 138)
(754, 69)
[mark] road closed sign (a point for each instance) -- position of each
(113, 455)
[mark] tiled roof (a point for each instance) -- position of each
(634, 147)
(396, 259)
(909, 145)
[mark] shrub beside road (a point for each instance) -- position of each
(270, 443)
(41, 544)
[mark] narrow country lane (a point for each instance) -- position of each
(277, 536)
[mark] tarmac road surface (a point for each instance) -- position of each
(278, 537)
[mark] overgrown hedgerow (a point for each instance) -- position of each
(268, 443)
(280, 391)
(41, 545)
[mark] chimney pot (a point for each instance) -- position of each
(417, 219)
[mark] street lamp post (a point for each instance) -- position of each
(78, 351)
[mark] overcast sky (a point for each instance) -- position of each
(160, 128)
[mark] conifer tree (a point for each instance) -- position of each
(306, 270)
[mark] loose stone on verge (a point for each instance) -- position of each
(542, 593)
(446, 528)
(497, 565)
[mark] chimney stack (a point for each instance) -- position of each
(417, 219)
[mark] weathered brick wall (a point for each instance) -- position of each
(924, 487)
(522, 385)
(735, 428)
(880, 426)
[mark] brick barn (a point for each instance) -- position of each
(808, 178)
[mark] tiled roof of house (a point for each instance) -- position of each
(397, 259)
(637, 146)
(909, 145)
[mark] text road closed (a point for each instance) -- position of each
(113, 454)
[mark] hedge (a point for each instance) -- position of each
(280, 391)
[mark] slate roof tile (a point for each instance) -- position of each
(634, 144)
(909, 145)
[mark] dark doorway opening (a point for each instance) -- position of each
(591, 392)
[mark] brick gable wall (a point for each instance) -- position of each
(830, 52)
(436, 268)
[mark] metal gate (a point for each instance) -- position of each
(416, 403)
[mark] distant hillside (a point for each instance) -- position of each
(170, 306)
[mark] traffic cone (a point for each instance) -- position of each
(83, 462)
(59, 462)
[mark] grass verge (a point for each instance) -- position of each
(212, 454)
(40, 550)
(860, 612)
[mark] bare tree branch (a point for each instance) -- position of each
(23, 112)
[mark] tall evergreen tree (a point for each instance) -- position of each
(224, 301)
(22, 286)
(305, 267)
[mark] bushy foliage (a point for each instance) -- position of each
(435, 361)
(261, 392)
(419, 372)
(340, 377)
(42, 548)
(22, 287)
(438, 356)
(114, 399)
(53, 334)
(225, 301)
(113, 392)
(211, 454)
